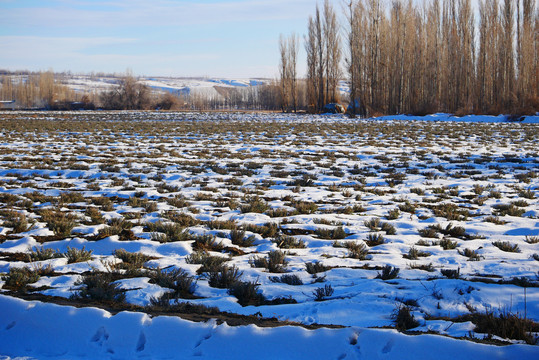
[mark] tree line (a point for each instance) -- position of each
(48, 90)
(438, 55)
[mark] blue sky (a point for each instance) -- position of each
(228, 38)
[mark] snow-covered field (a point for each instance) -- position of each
(321, 233)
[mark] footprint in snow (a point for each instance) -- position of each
(100, 336)
(388, 347)
(11, 325)
(141, 344)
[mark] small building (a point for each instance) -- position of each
(7, 104)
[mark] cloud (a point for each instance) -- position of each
(153, 13)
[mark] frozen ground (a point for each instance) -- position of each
(309, 211)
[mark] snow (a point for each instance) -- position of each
(445, 160)
(88, 333)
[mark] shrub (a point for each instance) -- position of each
(207, 243)
(247, 293)
(388, 228)
(315, 267)
(403, 318)
(373, 224)
(290, 279)
(133, 260)
(393, 214)
(528, 194)
(177, 279)
(99, 286)
(209, 263)
(508, 209)
(407, 207)
(424, 267)
(95, 215)
(238, 238)
(41, 254)
(418, 191)
(255, 205)
(322, 293)
(374, 240)
(336, 234)
(505, 325)
(275, 262)
(357, 250)
(532, 239)
(495, 220)
(305, 207)
(447, 244)
(74, 255)
(18, 278)
(289, 242)
(506, 246)
(267, 230)
(225, 277)
(168, 232)
(429, 232)
(472, 255)
(414, 254)
(17, 221)
(163, 304)
(71, 197)
(388, 272)
(457, 231)
(450, 273)
(58, 222)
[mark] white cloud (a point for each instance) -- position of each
(155, 13)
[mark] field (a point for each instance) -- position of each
(300, 236)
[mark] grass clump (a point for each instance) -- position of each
(532, 239)
(99, 286)
(207, 243)
(316, 267)
(238, 238)
(41, 254)
(450, 273)
(322, 293)
(375, 224)
(209, 262)
(16, 220)
(255, 205)
(403, 318)
(18, 279)
(275, 262)
(247, 293)
(472, 255)
(374, 240)
(414, 254)
(393, 214)
(132, 260)
(225, 277)
(508, 209)
(506, 246)
(178, 280)
(167, 232)
(75, 255)
(335, 234)
(290, 279)
(289, 242)
(388, 272)
(505, 324)
(357, 250)
(447, 244)
(58, 222)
